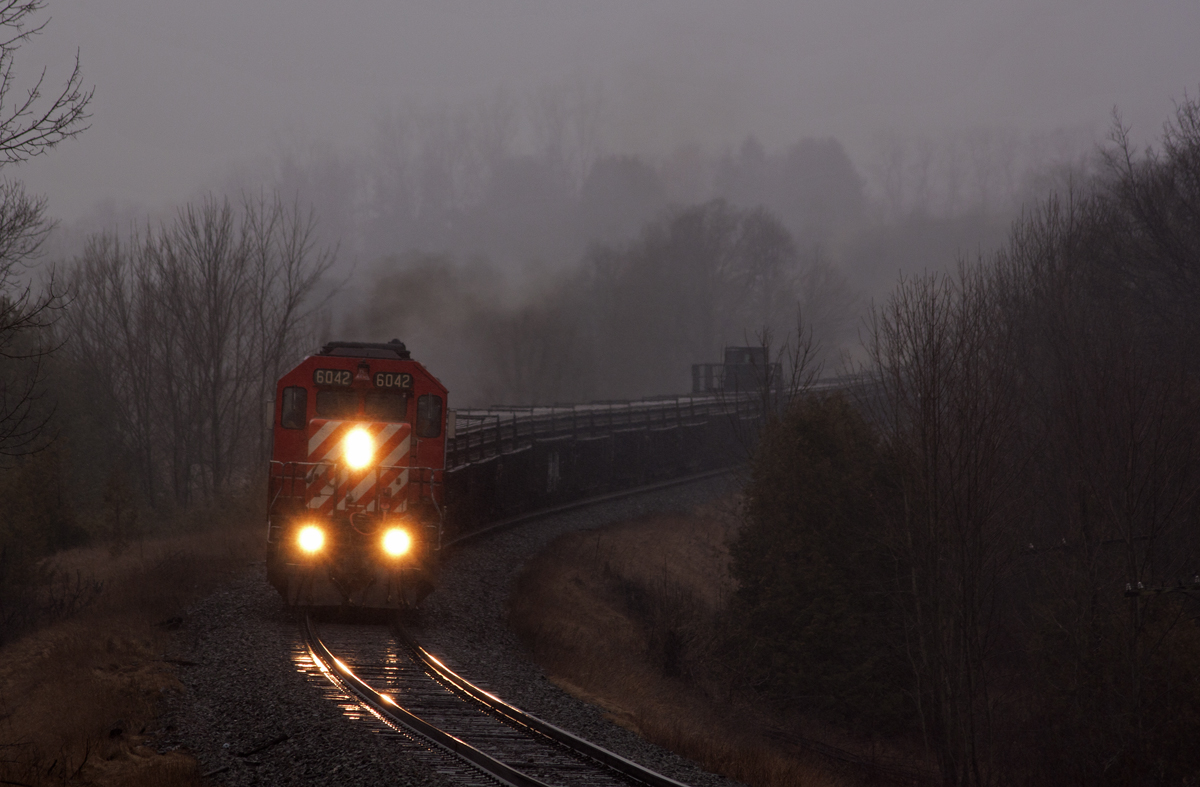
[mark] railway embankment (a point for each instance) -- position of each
(466, 624)
(629, 617)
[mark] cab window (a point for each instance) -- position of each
(294, 407)
(429, 415)
(379, 406)
(337, 404)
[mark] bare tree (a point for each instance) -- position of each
(35, 123)
(768, 260)
(530, 355)
(566, 121)
(30, 126)
(1109, 377)
(187, 327)
(112, 326)
(942, 360)
(24, 316)
(286, 265)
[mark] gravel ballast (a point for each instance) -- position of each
(246, 685)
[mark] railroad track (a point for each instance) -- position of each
(460, 730)
(476, 736)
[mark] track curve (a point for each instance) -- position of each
(382, 660)
(410, 690)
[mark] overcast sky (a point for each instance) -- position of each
(185, 89)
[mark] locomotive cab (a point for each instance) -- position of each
(355, 494)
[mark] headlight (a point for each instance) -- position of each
(396, 542)
(358, 448)
(311, 538)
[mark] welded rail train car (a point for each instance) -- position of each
(356, 492)
(369, 475)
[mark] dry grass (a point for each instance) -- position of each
(79, 698)
(626, 618)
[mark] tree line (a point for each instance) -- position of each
(184, 329)
(144, 393)
(628, 321)
(993, 553)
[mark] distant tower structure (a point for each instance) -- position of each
(745, 369)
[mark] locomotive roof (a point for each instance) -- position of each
(393, 349)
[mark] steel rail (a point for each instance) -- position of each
(386, 709)
(498, 707)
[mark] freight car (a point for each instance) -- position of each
(356, 485)
(366, 458)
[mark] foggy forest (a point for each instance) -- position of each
(977, 555)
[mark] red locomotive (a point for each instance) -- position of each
(356, 494)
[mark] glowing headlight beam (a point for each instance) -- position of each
(311, 539)
(358, 448)
(396, 542)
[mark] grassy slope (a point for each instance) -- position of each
(79, 697)
(626, 618)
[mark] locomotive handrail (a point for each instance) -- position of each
(368, 469)
(334, 462)
(436, 479)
